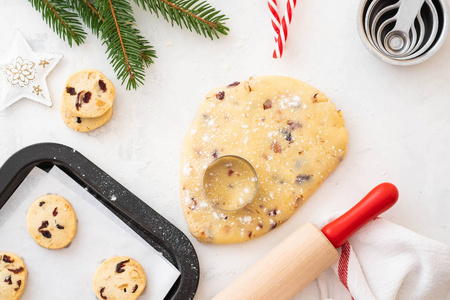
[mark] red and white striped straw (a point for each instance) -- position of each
(282, 30)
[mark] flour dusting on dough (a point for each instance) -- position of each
(291, 134)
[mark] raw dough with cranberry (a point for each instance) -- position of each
(88, 94)
(13, 276)
(51, 221)
(119, 277)
(289, 131)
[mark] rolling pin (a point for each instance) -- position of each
(307, 252)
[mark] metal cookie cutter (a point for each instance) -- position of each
(230, 182)
(403, 32)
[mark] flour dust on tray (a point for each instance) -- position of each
(52, 222)
(289, 131)
(119, 277)
(13, 276)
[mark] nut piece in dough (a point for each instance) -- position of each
(52, 222)
(119, 277)
(13, 276)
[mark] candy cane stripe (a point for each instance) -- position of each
(282, 30)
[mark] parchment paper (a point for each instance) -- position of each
(67, 273)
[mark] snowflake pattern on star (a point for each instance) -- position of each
(20, 72)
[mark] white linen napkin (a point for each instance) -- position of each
(386, 261)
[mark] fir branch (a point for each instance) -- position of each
(58, 16)
(88, 13)
(127, 50)
(91, 17)
(195, 15)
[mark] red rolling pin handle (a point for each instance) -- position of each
(377, 201)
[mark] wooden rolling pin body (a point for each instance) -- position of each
(307, 252)
(290, 266)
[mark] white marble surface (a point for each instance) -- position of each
(397, 117)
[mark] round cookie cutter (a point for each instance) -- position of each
(221, 161)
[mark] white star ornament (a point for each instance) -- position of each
(23, 74)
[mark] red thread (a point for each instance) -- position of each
(343, 264)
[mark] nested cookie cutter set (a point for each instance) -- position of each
(403, 32)
(159, 233)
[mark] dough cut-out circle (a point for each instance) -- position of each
(119, 277)
(51, 221)
(13, 276)
(289, 131)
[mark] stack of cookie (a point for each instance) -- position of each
(87, 100)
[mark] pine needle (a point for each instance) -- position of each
(88, 13)
(112, 20)
(58, 16)
(197, 15)
(147, 54)
(91, 17)
(127, 51)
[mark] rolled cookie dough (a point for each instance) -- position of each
(88, 94)
(52, 222)
(13, 276)
(289, 131)
(119, 277)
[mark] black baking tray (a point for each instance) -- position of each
(151, 226)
